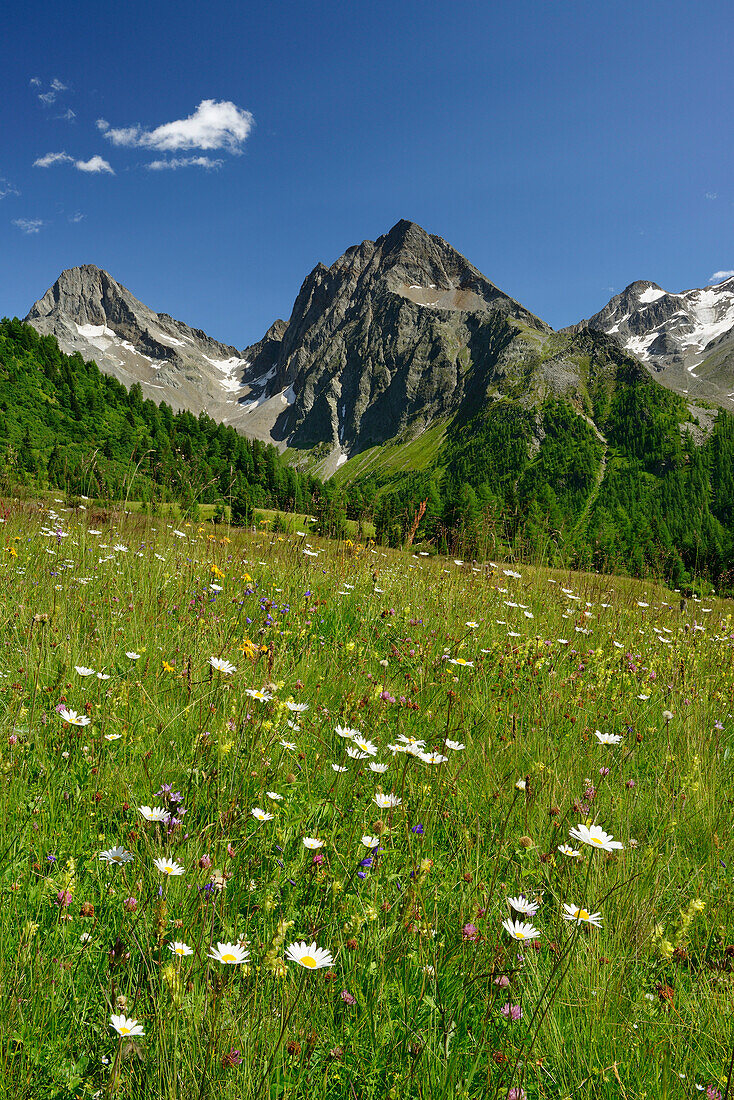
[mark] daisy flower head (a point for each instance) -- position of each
(260, 815)
(73, 718)
(275, 796)
(312, 843)
(347, 731)
(297, 708)
(339, 768)
(520, 931)
(567, 850)
(371, 841)
(386, 801)
(380, 769)
(607, 738)
(132, 656)
(461, 661)
(261, 696)
(103, 675)
(116, 855)
(472, 625)
(356, 754)
(309, 955)
(288, 744)
(455, 746)
(154, 813)
(432, 757)
(125, 1026)
(83, 671)
(413, 742)
(521, 905)
(220, 665)
(365, 746)
(168, 866)
(230, 954)
(581, 916)
(180, 949)
(595, 836)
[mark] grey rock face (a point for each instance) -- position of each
(688, 338)
(90, 313)
(382, 344)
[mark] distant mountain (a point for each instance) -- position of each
(91, 313)
(688, 338)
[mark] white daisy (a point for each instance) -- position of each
(179, 948)
(309, 955)
(220, 665)
(260, 815)
(607, 738)
(521, 905)
(168, 867)
(73, 718)
(386, 801)
(312, 843)
(595, 836)
(519, 930)
(116, 855)
(124, 1026)
(581, 916)
(154, 813)
(231, 954)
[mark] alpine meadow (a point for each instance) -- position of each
(367, 551)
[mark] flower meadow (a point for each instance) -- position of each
(291, 818)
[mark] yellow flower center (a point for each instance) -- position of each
(179, 951)
(309, 961)
(519, 935)
(595, 840)
(582, 915)
(124, 1031)
(229, 958)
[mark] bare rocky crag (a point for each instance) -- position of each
(687, 339)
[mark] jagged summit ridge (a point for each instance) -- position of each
(378, 344)
(688, 337)
(89, 312)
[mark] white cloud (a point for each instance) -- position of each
(35, 82)
(710, 195)
(52, 158)
(57, 85)
(28, 225)
(68, 115)
(184, 162)
(212, 126)
(719, 276)
(48, 98)
(6, 188)
(94, 164)
(74, 218)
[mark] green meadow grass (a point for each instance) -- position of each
(519, 670)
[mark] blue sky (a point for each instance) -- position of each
(564, 148)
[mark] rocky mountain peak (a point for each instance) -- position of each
(687, 338)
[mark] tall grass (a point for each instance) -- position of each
(412, 1002)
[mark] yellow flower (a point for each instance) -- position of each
(167, 667)
(217, 572)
